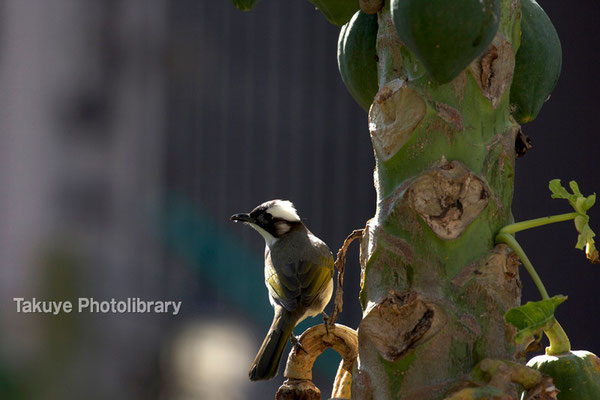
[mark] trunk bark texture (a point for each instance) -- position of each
(434, 286)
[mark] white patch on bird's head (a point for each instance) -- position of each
(283, 209)
(281, 228)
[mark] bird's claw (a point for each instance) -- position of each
(296, 344)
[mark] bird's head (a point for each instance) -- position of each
(272, 219)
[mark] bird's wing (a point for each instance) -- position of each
(279, 292)
(315, 280)
(300, 282)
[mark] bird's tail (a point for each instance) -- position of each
(266, 362)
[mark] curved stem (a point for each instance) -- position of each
(516, 247)
(532, 223)
(559, 341)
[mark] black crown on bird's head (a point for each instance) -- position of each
(272, 219)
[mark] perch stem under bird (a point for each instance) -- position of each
(298, 276)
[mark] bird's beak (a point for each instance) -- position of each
(243, 217)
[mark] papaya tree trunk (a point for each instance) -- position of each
(434, 286)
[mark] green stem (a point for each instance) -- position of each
(516, 247)
(532, 223)
(559, 341)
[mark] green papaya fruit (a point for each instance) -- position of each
(575, 373)
(338, 12)
(537, 64)
(357, 57)
(446, 35)
(244, 5)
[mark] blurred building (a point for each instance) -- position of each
(82, 158)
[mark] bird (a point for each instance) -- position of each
(298, 276)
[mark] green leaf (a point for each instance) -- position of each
(580, 222)
(244, 5)
(581, 205)
(575, 188)
(533, 317)
(587, 236)
(590, 201)
(557, 189)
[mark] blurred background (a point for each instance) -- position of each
(131, 130)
